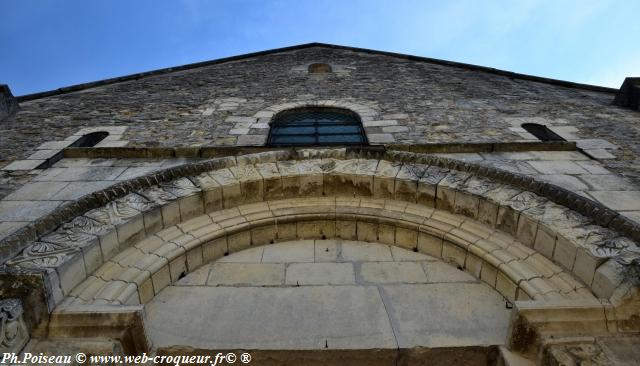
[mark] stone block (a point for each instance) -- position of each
(585, 265)
(440, 272)
(288, 231)
(489, 274)
(453, 253)
(109, 244)
(191, 206)
(363, 185)
(473, 265)
(93, 259)
(507, 220)
(607, 278)
(466, 204)
(251, 255)
(36, 191)
(356, 251)
(300, 251)
(380, 138)
(426, 194)
(445, 198)
(320, 229)
(194, 259)
(239, 241)
(487, 212)
(250, 140)
(406, 238)
(23, 165)
(545, 241)
(326, 250)
(486, 324)
(131, 231)
(392, 272)
(273, 188)
(26, 210)
(386, 234)
(565, 252)
(161, 279)
(71, 272)
(178, 268)
(527, 228)
(382, 123)
(171, 214)
(263, 235)
(618, 200)
(146, 292)
(214, 249)
(254, 274)
(320, 274)
(153, 221)
(346, 230)
(557, 167)
(383, 187)
(406, 189)
(367, 231)
(430, 245)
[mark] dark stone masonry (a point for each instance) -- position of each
(436, 103)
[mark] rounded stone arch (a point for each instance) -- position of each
(298, 117)
(363, 110)
(138, 273)
(530, 247)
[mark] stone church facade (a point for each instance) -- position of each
(321, 204)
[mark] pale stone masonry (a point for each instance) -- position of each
(453, 236)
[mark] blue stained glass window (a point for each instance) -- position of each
(316, 126)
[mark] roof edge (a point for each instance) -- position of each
(510, 74)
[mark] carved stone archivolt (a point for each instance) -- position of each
(403, 177)
(13, 331)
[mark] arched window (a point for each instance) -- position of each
(90, 139)
(542, 132)
(319, 68)
(316, 126)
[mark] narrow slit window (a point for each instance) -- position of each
(541, 132)
(316, 126)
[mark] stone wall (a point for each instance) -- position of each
(419, 102)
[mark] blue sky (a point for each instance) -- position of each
(46, 44)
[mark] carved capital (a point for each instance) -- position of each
(13, 331)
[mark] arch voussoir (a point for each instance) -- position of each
(452, 214)
(138, 273)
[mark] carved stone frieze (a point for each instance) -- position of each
(528, 201)
(180, 187)
(113, 213)
(42, 254)
(137, 202)
(158, 195)
(433, 175)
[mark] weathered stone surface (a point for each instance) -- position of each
(255, 274)
(315, 317)
(481, 318)
(320, 274)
